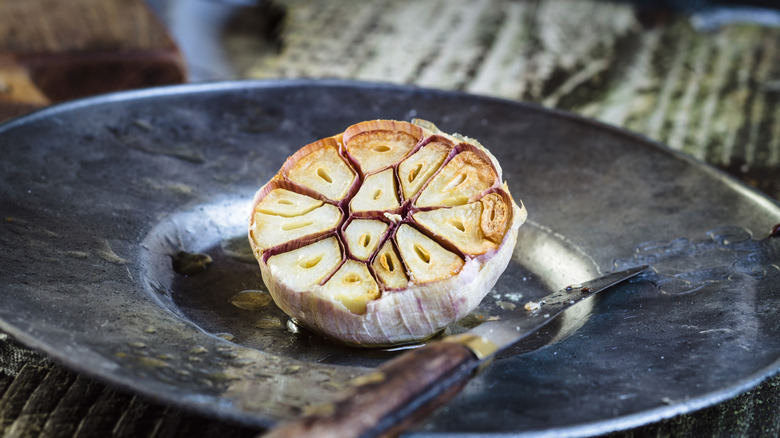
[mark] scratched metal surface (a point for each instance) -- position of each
(98, 195)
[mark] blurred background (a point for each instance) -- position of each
(699, 76)
(702, 77)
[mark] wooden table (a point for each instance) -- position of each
(709, 91)
(54, 51)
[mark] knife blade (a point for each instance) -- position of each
(406, 389)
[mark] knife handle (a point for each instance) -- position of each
(386, 401)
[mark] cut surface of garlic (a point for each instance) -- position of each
(384, 234)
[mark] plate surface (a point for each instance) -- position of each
(98, 196)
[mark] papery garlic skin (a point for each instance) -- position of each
(379, 277)
(398, 317)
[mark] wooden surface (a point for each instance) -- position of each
(375, 404)
(714, 95)
(52, 51)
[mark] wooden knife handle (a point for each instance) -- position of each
(386, 401)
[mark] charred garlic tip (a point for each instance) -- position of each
(384, 234)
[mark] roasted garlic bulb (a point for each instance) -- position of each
(384, 234)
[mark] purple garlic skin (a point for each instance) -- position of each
(384, 234)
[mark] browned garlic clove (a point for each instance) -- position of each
(468, 174)
(388, 267)
(384, 234)
(379, 144)
(321, 168)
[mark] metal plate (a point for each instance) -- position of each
(98, 195)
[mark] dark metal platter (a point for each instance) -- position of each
(99, 195)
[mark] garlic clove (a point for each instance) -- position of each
(378, 193)
(427, 260)
(378, 144)
(285, 203)
(458, 225)
(363, 236)
(467, 175)
(474, 228)
(353, 286)
(389, 268)
(306, 266)
(319, 167)
(496, 216)
(417, 169)
(268, 230)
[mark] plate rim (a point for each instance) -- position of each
(625, 422)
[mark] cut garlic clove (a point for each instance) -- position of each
(458, 225)
(269, 231)
(427, 260)
(467, 175)
(473, 228)
(322, 169)
(495, 217)
(363, 237)
(281, 202)
(389, 268)
(417, 169)
(353, 286)
(378, 193)
(307, 266)
(378, 144)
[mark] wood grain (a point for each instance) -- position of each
(17, 394)
(55, 27)
(382, 403)
(714, 95)
(52, 51)
(35, 411)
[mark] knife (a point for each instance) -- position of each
(406, 389)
